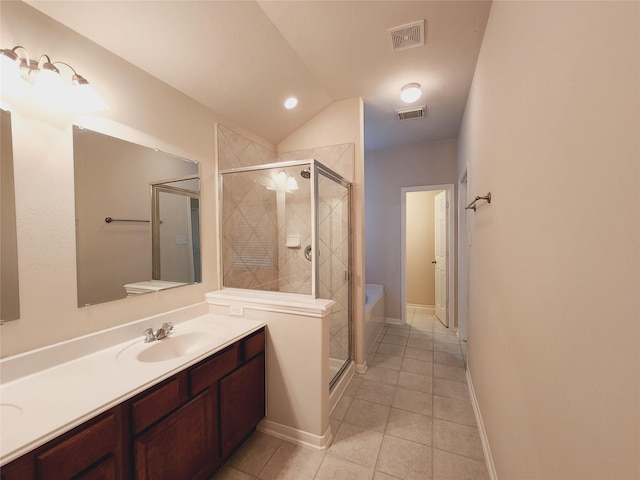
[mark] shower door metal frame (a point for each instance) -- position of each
(155, 188)
(331, 175)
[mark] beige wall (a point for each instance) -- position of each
(551, 129)
(420, 248)
(143, 110)
(387, 172)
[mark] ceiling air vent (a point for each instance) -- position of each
(407, 36)
(413, 112)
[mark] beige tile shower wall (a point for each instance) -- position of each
(249, 219)
(235, 151)
(245, 198)
(294, 268)
(339, 158)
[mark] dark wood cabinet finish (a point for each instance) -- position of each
(183, 446)
(92, 451)
(147, 408)
(241, 403)
(182, 428)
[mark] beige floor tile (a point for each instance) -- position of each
(439, 346)
(368, 415)
(383, 476)
(418, 354)
(413, 381)
(456, 438)
(357, 444)
(421, 334)
(292, 462)
(457, 411)
(254, 453)
(391, 349)
(448, 358)
(382, 375)
(404, 459)
(395, 340)
(401, 331)
(334, 468)
(446, 338)
(410, 426)
(449, 372)
(353, 386)
(376, 392)
(229, 473)
(420, 367)
(451, 389)
(420, 325)
(438, 327)
(423, 343)
(341, 407)
(448, 466)
(386, 361)
(413, 401)
(334, 424)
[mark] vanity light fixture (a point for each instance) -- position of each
(48, 84)
(410, 92)
(290, 103)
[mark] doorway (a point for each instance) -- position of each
(428, 251)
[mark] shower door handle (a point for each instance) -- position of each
(307, 252)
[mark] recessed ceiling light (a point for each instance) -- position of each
(410, 92)
(290, 103)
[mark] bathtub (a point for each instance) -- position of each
(373, 313)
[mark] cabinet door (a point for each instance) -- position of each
(105, 470)
(241, 403)
(183, 446)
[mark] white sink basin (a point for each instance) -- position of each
(174, 346)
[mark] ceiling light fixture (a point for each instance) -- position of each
(410, 92)
(48, 84)
(290, 103)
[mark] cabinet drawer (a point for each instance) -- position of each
(212, 370)
(157, 404)
(79, 451)
(253, 345)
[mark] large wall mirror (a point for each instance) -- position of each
(9, 296)
(137, 218)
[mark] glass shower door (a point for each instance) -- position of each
(333, 264)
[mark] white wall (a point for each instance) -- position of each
(143, 110)
(551, 129)
(386, 173)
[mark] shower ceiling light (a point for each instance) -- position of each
(48, 84)
(290, 103)
(410, 92)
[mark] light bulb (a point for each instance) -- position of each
(290, 103)
(292, 184)
(410, 92)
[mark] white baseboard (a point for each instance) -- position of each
(361, 367)
(417, 305)
(393, 321)
(483, 433)
(296, 436)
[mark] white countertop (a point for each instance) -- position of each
(48, 401)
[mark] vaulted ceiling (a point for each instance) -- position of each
(242, 59)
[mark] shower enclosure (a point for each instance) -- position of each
(286, 228)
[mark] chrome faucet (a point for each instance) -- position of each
(163, 332)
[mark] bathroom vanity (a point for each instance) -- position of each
(180, 427)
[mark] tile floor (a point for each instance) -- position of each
(408, 417)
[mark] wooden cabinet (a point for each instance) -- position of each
(92, 451)
(241, 403)
(184, 446)
(180, 429)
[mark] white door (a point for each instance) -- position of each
(440, 229)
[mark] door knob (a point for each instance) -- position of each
(434, 262)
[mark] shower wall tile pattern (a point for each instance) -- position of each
(339, 158)
(253, 245)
